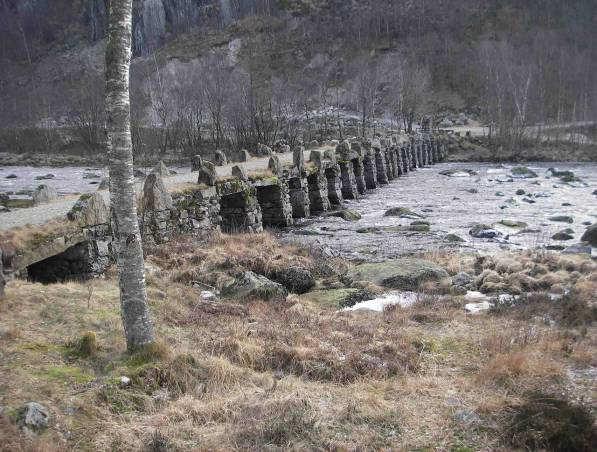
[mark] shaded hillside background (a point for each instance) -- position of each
(234, 73)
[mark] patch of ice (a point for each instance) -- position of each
(475, 308)
(404, 299)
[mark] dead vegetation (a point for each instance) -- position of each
(297, 374)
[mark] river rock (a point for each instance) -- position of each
(483, 231)
(402, 212)
(240, 172)
(155, 196)
(11, 176)
(33, 417)
(522, 172)
(577, 249)
(520, 192)
(514, 223)
(419, 226)
(90, 210)
(220, 158)
(403, 274)
(590, 235)
(91, 176)
(529, 200)
(346, 214)
(565, 234)
(499, 193)
(249, 285)
(562, 218)
(45, 177)
(294, 279)
(161, 169)
(44, 194)
(458, 172)
(207, 174)
(196, 163)
(454, 238)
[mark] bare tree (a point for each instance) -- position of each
(138, 327)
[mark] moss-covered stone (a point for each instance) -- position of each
(405, 274)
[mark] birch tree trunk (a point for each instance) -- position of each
(137, 323)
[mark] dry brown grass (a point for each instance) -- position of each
(31, 236)
(288, 375)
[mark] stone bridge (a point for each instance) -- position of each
(81, 246)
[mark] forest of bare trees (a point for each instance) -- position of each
(313, 70)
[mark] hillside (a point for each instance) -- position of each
(298, 58)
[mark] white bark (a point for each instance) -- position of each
(137, 323)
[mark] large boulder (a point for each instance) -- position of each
(295, 279)
(33, 417)
(249, 285)
(483, 231)
(523, 172)
(590, 235)
(220, 158)
(346, 215)
(155, 195)
(90, 210)
(402, 212)
(207, 174)
(403, 274)
(44, 194)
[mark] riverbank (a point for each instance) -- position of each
(253, 366)
(481, 149)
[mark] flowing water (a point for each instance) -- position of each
(452, 205)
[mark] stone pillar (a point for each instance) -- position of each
(196, 163)
(155, 211)
(349, 183)
(399, 165)
(318, 191)
(359, 174)
(274, 200)
(382, 169)
(197, 211)
(299, 196)
(370, 170)
(332, 174)
(405, 159)
(413, 154)
(239, 208)
(298, 158)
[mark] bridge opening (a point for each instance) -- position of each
(78, 263)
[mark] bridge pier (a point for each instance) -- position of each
(380, 164)
(274, 199)
(318, 191)
(239, 207)
(370, 169)
(298, 187)
(359, 175)
(349, 182)
(332, 174)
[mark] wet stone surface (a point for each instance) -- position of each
(451, 207)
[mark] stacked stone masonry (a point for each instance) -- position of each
(232, 205)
